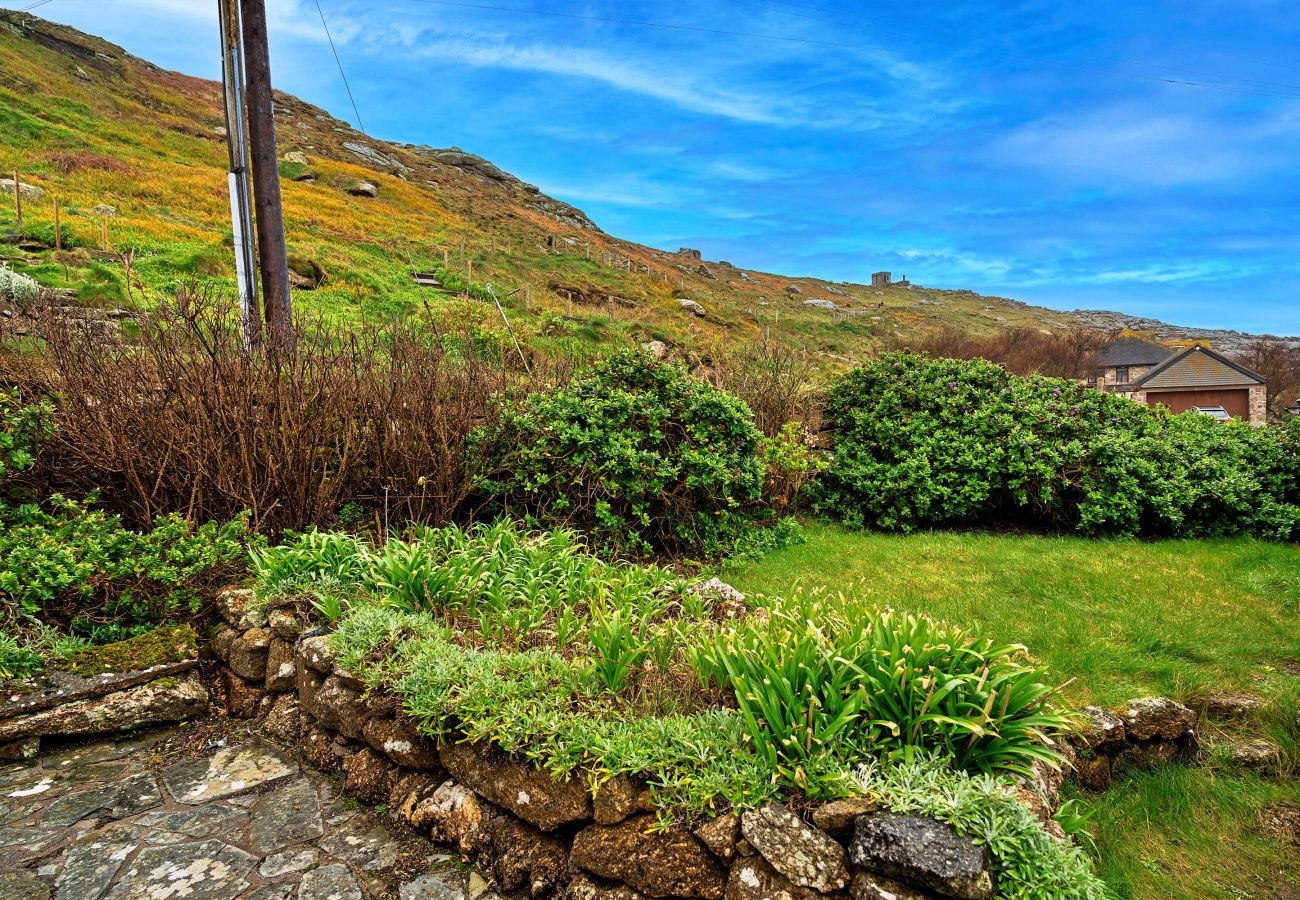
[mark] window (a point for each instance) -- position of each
(1121, 374)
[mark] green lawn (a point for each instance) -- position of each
(1122, 619)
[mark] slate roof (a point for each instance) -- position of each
(1197, 367)
(1131, 351)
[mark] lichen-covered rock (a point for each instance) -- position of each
(401, 741)
(165, 700)
(284, 720)
(520, 856)
(408, 789)
(837, 817)
(531, 794)
(316, 654)
(720, 835)
(1256, 754)
(288, 815)
(1092, 773)
(453, 815)
(804, 855)
(755, 879)
(337, 707)
(240, 609)
(866, 886)
(1224, 707)
(221, 642)
(923, 852)
(672, 864)
(1099, 728)
(319, 750)
(242, 697)
(369, 776)
(617, 799)
(283, 625)
(281, 673)
(248, 653)
(1147, 718)
(583, 887)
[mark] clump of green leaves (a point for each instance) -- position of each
(635, 452)
(823, 676)
(921, 441)
(17, 658)
(23, 426)
(17, 288)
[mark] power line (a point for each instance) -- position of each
(346, 86)
(33, 6)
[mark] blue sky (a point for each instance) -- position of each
(1028, 149)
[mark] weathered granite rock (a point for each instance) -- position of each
(674, 864)
(248, 653)
(280, 669)
(923, 852)
(283, 624)
(332, 882)
(804, 855)
(1224, 707)
(240, 608)
(221, 643)
(165, 700)
(837, 817)
(720, 835)
(286, 816)
(15, 886)
(1157, 717)
(93, 861)
(28, 191)
(319, 749)
(401, 741)
(532, 795)
(445, 885)
(284, 719)
(617, 799)
(363, 189)
(453, 815)
(866, 886)
(296, 156)
(208, 870)
(369, 776)
(521, 856)
(231, 771)
(316, 654)
(242, 697)
(1099, 728)
(1256, 754)
(692, 307)
(1093, 773)
(754, 878)
(582, 887)
(337, 707)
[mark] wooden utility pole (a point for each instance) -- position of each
(271, 249)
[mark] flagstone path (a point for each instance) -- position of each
(238, 818)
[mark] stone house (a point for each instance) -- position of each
(1196, 377)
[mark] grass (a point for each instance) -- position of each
(1123, 619)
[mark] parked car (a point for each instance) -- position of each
(1214, 412)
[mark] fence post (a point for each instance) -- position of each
(58, 235)
(446, 262)
(469, 279)
(18, 202)
(103, 233)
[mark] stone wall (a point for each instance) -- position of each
(532, 833)
(1259, 404)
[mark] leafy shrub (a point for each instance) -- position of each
(924, 441)
(17, 288)
(71, 565)
(824, 676)
(17, 659)
(636, 452)
(22, 429)
(790, 463)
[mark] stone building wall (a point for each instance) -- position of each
(1259, 404)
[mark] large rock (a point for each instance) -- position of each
(753, 878)
(692, 307)
(521, 856)
(1093, 773)
(453, 815)
(804, 855)
(155, 703)
(29, 191)
(363, 189)
(837, 817)
(619, 798)
(207, 870)
(531, 794)
(1099, 728)
(316, 654)
(230, 771)
(922, 851)
(401, 741)
(1224, 707)
(240, 608)
(672, 864)
(819, 303)
(248, 653)
(369, 776)
(720, 835)
(337, 707)
(288, 815)
(1157, 717)
(867, 886)
(281, 672)
(242, 697)
(1256, 754)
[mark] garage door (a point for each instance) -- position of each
(1235, 401)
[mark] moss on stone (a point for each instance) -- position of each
(165, 644)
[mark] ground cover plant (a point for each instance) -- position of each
(1119, 619)
(922, 442)
(591, 670)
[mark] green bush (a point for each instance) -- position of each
(65, 563)
(17, 659)
(635, 452)
(922, 442)
(22, 429)
(820, 676)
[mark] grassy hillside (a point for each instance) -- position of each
(91, 125)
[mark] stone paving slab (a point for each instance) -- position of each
(238, 822)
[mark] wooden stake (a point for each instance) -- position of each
(103, 233)
(18, 201)
(446, 260)
(58, 235)
(462, 248)
(469, 280)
